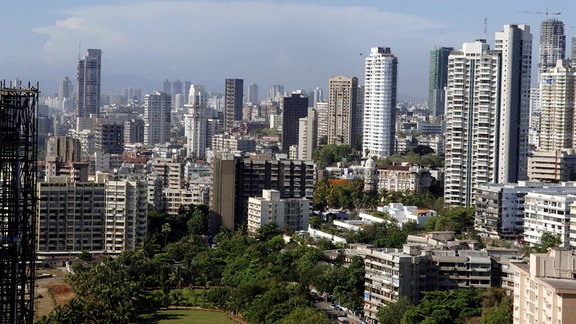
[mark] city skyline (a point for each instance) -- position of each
(290, 50)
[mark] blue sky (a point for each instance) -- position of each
(296, 43)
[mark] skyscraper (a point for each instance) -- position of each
(88, 73)
(381, 68)
(438, 78)
(307, 135)
(64, 88)
(515, 46)
(167, 86)
(196, 121)
(156, 118)
(293, 108)
(253, 93)
(342, 103)
(177, 89)
(552, 44)
(487, 105)
(318, 95)
(234, 94)
(276, 92)
(557, 108)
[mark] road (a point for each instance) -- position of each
(333, 314)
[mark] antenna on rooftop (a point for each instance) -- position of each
(545, 13)
(79, 50)
(485, 28)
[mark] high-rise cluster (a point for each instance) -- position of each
(487, 111)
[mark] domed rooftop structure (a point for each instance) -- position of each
(370, 163)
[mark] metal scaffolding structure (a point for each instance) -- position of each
(18, 156)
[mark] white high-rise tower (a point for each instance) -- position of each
(487, 114)
(157, 116)
(380, 102)
(196, 121)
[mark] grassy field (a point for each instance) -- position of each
(175, 316)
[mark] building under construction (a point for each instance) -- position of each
(17, 202)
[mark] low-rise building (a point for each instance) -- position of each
(290, 214)
(500, 208)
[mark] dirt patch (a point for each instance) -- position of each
(61, 291)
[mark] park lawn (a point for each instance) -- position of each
(197, 316)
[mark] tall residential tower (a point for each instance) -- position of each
(88, 84)
(487, 110)
(157, 118)
(342, 110)
(552, 44)
(380, 102)
(438, 79)
(234, 94)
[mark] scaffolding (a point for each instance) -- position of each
(18, 155)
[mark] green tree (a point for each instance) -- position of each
(444, 307)
(548, 240)
(305, 315)
(392, 313)
(166, 229)
(198, 220)
(499, 314)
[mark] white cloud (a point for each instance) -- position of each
(256, 39)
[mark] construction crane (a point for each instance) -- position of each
(546, 13)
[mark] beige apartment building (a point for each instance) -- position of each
(545, 288)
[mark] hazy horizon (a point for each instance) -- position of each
(299, 44)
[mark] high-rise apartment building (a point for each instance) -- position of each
(380, 71)
(167, 86)
(487, 114)
(276, 93)
(177, 89)
(196, 121)
(95, 216)
(514, 43)
(236, 179)
(322, 114)
(557, 107)
(293, 108)
(342, 109)
(253, 93)
(438, 79)
(318, 95)
(157, 118)
(88, 73)
(552, 44)
(65, 88)
(109, 136)
(308, 137)
(233, 98)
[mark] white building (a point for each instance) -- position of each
(289, 214)
(380, 102)
(487, 114)
(195, 121)
(499, 208)
(157, 118)
(557, 107)
(403, 214)
(307, 135)
(550, 213)
(126, 212)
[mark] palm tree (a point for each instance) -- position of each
(166, 229)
